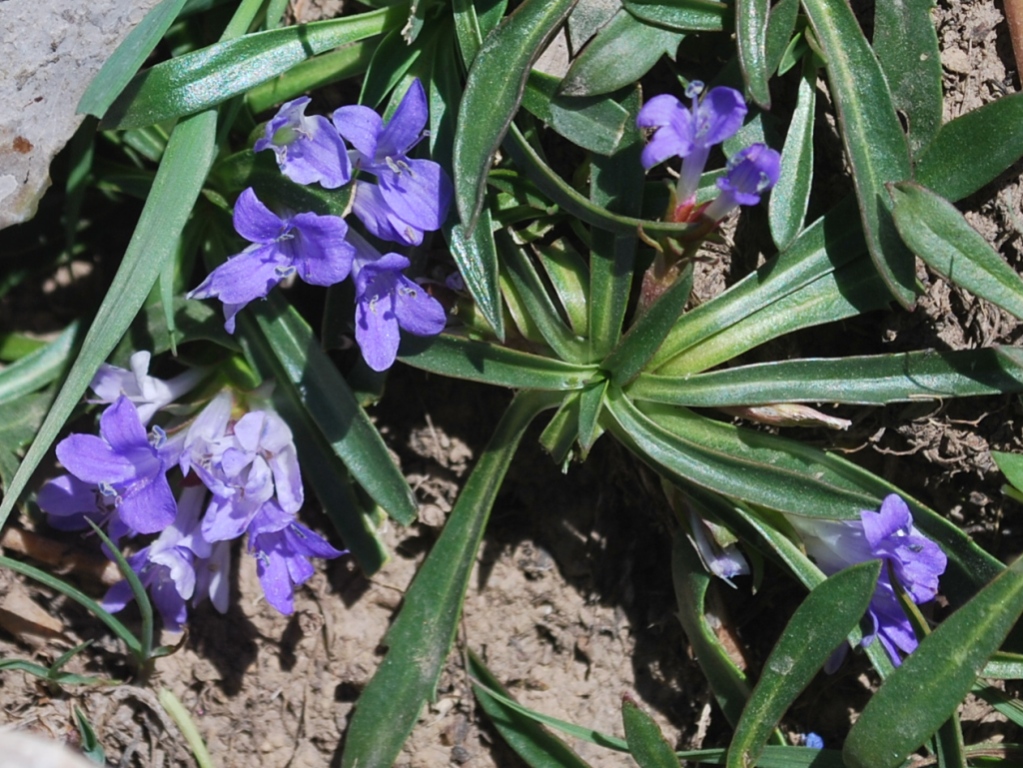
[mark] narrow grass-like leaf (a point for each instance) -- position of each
(205, 78)
(576, 204)
(828, 243)
(624, 50)
(933, 680)
(492, 364)
(50, 675)
(179, 714)
(329, 401)
(729, 684)
(943, 239)
(751, 17)
(906, 44)
(1004, 666)
(616, 185)
(818, 627)
(646, 742)
(791, 195)
(569, 276)
(866, 380)
(475, 255)
(347, 61)
(762, 469)
(872, 135)
(37, 369)
(421, 637)
(593, 123)
(531, 741)
(131, 54)
(391, 60)
(493, 91)
(175, 189)
(91, 746)
(973, 149)
(591, 403)
(682, 15)
(115, 626)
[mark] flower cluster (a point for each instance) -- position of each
(690, 133)
(406, 198)
(236, 473)
(890, 536)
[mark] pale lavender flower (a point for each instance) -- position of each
(148, 393)
(308, 244)
(813, 741)
(751, 172)
(282, 547)
(386, 300)
(70, 503)
(412, 196)
(690, 132)
(888, 535)
(717, 549)
(308, 149)
(128, 470)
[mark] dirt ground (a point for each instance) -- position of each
(571, 603)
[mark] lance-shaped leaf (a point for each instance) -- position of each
(593, 123)
(207, 77)
(647, 744)
(872, 135)
(973, 149)
(820, 624)
(421, 637)
(175, 189)
(624, 50)
(493, 91)
(37, 369)
(493, 364)
(682, 15)
(933, 680)
(943, 239)
(791, 195)
(906, 44)
(475, 255)
(751, 17)
(864, 380)
(118, 70)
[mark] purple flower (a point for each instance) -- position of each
(813, 741)
(282, 547)
(70, 502)
(128, 470)
(751, 172)
(717, 549)
(308, 149)
(314, 246)
(148, 393)
(888, 535)
(412, 196)
(690, 133)
(386, 300)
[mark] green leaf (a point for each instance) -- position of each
(37, 369)
(941, 237)
(532, 742)
(624, 50)
(421, 637)
(205, 78)
(828, 243)
(872, 135)
(973, 149)
(391, 60)
(302, 365)
(790, 197)
(682, 15)
(131, 54)
(313, 74)
(751, 18)
(576, 204)
(759, 468)
(820, 624)
(646, 742)
(175, 189)
(867, 380)
(475, 255)
(906, 44)
(1011, 465)
(933, 680)
(594, 123)
(729, 684)
(493, 91)
(91, 747)
(492, 364)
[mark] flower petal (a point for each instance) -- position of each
(377, 216)
(406, 125)
(91, 459)
(323, 257)
(254, 221)
(417, 311)
(250, 275)
(419, 193)
(149, 507)
(361, 126)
